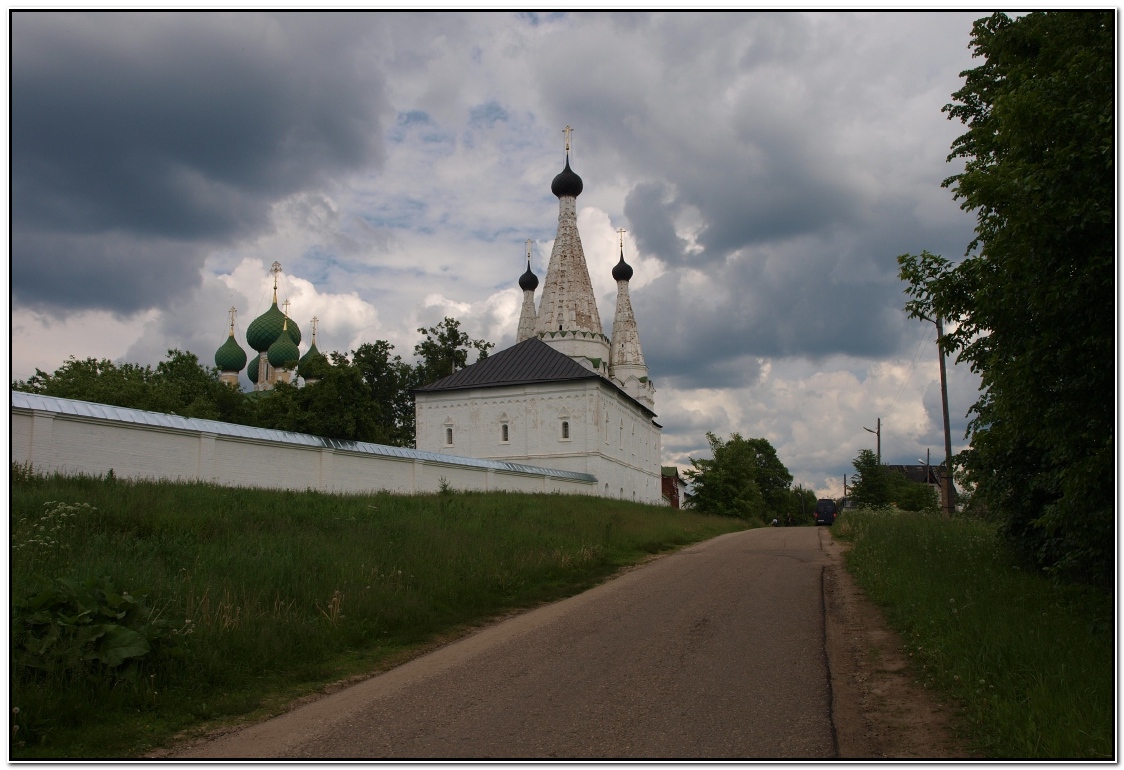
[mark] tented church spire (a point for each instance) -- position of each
(568, 319)
(626, 360)
(528, 282)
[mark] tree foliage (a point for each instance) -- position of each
(362, 397)
(1031, 304)
(870, 486)
(744, 478)
(179, 385)
(875, 485)
(444, 350)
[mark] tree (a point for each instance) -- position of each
(744, 479)
(337, 406)
(1030, 305)
(179, 385)
(870, 486)
(103, 382)
(444, 350)
(802, 506)
(388, 380)
(875, 485)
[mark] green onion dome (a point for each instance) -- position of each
(230, 357)
(252, 370)
(283, 353)
(312, 364)
(264, 330)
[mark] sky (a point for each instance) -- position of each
(768, 169)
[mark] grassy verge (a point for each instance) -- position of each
(186, 606)
(1029, 661)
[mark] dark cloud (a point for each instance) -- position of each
(652, 219)
(807, 297)
(138, 141)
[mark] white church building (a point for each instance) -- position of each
(565, 396)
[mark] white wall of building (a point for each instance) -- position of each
(52, 440)
(608, 436)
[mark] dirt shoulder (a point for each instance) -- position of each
(878, 708)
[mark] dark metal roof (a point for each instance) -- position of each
(528, 281)
(918, 473)
(622, 271)
(531, 361)
(567, 182)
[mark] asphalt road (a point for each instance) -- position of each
(716, 651)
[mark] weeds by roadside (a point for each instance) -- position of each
(1029, 661)
(177, 604)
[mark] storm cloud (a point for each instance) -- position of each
(767, 169)
(141, 141)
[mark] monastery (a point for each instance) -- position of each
(565, 396)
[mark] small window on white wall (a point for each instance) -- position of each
(503, 433)
(565, 430)
(448, 435)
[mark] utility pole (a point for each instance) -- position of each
(949, 489)
(878, 433)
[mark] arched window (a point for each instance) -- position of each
(503, 433)
(565, 430)
(448, 435)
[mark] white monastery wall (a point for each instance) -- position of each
(73, 444)
(608, 436)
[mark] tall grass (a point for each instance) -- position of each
(268, 594)
(1029, 661)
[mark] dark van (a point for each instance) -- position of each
(825, 512)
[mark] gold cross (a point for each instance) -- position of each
(314, 322)
(286, 306)
(529, 242)
(275, 269)
(567, 131)
(233, 312)
(621, 231)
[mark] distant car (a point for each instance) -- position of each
(825, 512)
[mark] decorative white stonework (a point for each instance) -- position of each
(605, 433)
(527, 317)
(626, 360)
(568, 303)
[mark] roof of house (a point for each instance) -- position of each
(529, 362)
(917, 473)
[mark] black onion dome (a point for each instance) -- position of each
(528, 281)
(622, 271)
(567, 183)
